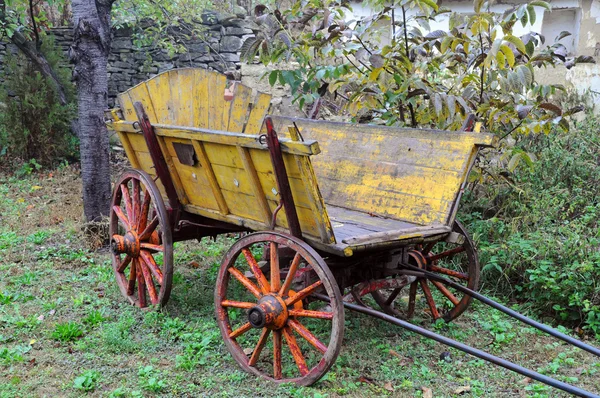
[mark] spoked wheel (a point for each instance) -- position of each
(458, 262)
(267, 319)
(141, 240)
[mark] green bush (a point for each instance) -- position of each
(33, 123)
(538, 233)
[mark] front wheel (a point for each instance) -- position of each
(141, 240)
(260, 313)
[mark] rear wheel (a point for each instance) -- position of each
(270, 323)
(456, 261)
(141, 240)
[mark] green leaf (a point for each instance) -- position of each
(273, 77)
(508, 54)
(531, 12)
(543, 4)
(518, 43)
(431, 3)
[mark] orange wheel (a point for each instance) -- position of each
(269, 321)
(141, 240)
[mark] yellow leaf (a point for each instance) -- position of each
(35, 187)
(20, 200)
(32, 341)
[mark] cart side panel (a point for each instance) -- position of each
(406, 174)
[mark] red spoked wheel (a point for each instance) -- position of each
(268, 321)
(456, 261)
(141, 240)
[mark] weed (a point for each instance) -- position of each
(87, 381)
(94, 318)
(149, 379)
(14, 354)
(39, 237)
(67, 331)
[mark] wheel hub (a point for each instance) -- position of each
(129, 244)
(270, 312)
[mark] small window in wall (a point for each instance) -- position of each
(560, 20)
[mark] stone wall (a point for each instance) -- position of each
(218, 49)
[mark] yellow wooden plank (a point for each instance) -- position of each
(227, 106)
(129, 150)
(255, 184)
(196, 186)
(216, 89)
(259, 110)
(210, 175)
(141, 94)
(240, 108)
(164, 100)
(177, 183)
(200, 98)
(126, 107)
(184, 87)
(314, 195)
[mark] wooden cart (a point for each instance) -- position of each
(337, 213)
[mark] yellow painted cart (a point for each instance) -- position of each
(336, 212)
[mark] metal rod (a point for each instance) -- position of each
(540, 326)
(465, 348)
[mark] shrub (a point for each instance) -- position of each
(538, 232)
(33, 124)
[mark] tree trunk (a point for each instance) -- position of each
(90, 49)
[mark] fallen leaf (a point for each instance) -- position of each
(52, 312)
(427, 393)
(248, 351)
(526, 380)
(365, 379)
(35, 187)
(32, 342)
(462, 389)
(40, 318)
(388, 386)
(194, 264)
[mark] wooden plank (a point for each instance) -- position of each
(255, 184)
(184, 88)
(317, 204)
(129, 150)
(240, 108)
(261, 106)
(126, 107)
(196, 185)
(308, 147)
(227, 106)
(163, 93)
(200, 98)
(210, 175)
(141, 94)
(216, 89)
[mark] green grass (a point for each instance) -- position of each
(65, 329)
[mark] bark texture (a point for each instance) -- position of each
(89, 52)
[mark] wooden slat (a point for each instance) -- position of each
(312, 191)
(200, 98)
(259, 110)
(255, 184)
(184, 89)
(227, 106)
(240, 111)
(164, 94)
(129, 150)
(210, 175)
(216, 88)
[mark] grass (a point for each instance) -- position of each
(66, 331)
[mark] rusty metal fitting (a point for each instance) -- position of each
(270, 312)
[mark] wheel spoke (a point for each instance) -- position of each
(258, 274)
(149, 283)
(237, 304)
(135, 186)
(429, 298)
(295, 350)
(308, 336)
(277, 354)
(262, 340)
(447, 253)
(141, 285)
(127, 200)
(303, 293)
(150, 246)
(290, 276)
(124, 263)
(144, 211)
(245, 281)
(446, 271)
(393, 296)
(275, 276)
(132, 277)
(311, 314)
(241, 330)
(412, 297)
(122, 217)
(428, 248)
(151, 264)
(446, 292)
(149, 229)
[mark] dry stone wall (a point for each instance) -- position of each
(218, 49)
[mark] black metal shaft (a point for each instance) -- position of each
(540, 326)
(469, 350)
